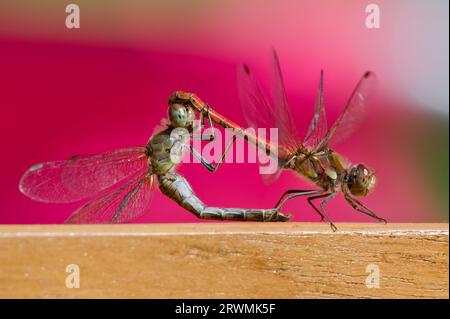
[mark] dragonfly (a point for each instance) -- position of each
(119, 184)
(311, 156)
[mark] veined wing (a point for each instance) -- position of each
(260, 112)
(353, 114)
(120, 205)
(288, 133)
(81, 176)
(318, 127)
(257, 109)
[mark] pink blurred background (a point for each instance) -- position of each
(105, 86)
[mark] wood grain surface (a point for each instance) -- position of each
(226, 260)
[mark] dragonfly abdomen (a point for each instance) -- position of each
(176, 187)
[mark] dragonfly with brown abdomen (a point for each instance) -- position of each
(311, 156)
(120, 183)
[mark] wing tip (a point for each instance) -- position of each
(246, 69)
(22, 183)
(368, 74)
(23, 188)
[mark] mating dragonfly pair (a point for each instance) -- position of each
(120, 183)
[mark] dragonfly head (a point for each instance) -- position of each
(360, 180)
(181, 115)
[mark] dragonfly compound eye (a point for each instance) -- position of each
(361, 180)
(181, 115)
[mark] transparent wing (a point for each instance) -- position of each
(256, 107)
(260, 112)
(318, 127)
(353, 115)
(81, 176)
(287, 130)
(120, 205)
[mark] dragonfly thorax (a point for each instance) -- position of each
(160, 151)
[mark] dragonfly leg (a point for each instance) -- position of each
(322, 210)
(292, 191)
(293, 194)
(178, 189)
(310, 201)
(209, 166)
(367, 211)
(205, 137)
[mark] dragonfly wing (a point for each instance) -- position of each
(81, 176)
(288, 133)
(353, 115)
(256, 107)
(261, 112)
(318, 127)
(120, 205)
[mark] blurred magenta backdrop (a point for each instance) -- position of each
(105, 86)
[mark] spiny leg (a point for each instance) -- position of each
(322, 203)
(209, 166)
(295, 193)
(310, 199)
(369, 210)
(291, 191)
(353, 202)
(205, 137)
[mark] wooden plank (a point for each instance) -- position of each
(226, 260)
